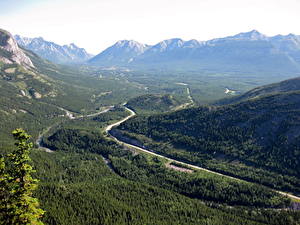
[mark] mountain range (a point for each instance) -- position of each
(245, 52)
(242, 53)
(62, 54)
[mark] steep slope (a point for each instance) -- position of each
(22, 88)
(10, 52)
(121, 53)
(54, 52)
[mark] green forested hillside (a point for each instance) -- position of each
(253, 139)
(153, 103)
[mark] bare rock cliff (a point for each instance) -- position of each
(10, 51)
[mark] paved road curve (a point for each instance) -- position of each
(71, 117)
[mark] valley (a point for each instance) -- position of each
(122, 144)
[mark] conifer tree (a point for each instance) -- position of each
(17, 185)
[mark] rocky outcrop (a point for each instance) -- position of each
(11, 53)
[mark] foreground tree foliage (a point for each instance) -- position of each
(17, 205)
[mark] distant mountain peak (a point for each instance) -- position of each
(122, 52)
(168, 44)
(72, 46)
(174, 41)
(56, 53)
(131, 44)
(253, 35)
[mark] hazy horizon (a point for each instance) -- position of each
(95, 25)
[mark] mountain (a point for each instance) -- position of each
(289, 44)
(54, 52)
(121, 53)
(169, 51)
(10, 52)
(245, 52)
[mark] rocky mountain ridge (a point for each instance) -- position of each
(64, 54)
(10, 51)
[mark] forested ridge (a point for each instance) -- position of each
(262, 133)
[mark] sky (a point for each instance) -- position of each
(97, 24)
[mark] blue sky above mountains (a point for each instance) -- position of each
(95, 24)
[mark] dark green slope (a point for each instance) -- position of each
(259, 133)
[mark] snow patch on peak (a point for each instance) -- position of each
(72, 46)
(253, 35)
(168, 44)
(131, 45)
